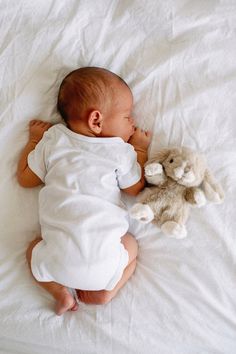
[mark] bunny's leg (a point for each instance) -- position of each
(141, 212)
(173, 225)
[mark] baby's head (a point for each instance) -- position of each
(96, 102)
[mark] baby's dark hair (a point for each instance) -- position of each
(84, 90)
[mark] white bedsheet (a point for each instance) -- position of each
(179, 57)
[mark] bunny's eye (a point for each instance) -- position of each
(171, 160)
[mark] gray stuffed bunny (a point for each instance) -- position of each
(179, 178)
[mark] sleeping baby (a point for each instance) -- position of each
(84, 165)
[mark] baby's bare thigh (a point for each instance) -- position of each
(130, 245)
(31, 245)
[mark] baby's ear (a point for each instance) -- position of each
(159, 157)
(212, 188)
(95, 121)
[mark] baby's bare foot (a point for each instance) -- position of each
(65, 302)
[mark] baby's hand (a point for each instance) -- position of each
(140, 139)
(37, 129)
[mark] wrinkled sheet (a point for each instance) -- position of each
(179, 59)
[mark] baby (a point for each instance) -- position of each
(84, 165)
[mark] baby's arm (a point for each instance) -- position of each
(25, 176)
(140, 141)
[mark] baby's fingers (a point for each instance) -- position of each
(37, 122)
(148, 133)
(32, 122)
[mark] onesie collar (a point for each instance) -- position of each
(89, 138)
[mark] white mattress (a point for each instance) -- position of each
(179, 57)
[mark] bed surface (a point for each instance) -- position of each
(179, 59)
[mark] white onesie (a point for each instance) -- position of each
(81, 214)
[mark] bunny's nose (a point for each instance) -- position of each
(179, 171)
(186, 169)
(184, 164)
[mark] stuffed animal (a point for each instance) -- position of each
(179, 178)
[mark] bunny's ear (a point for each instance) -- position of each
(159, 157)
(212, 189)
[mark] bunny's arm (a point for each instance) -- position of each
(154, 173)
(212, 188)
(195, 196)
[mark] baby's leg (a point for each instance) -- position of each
(64, 299)
(104, 296)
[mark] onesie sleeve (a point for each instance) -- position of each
(38, 158)
(129, 171)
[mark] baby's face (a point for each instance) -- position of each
(118, 121)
